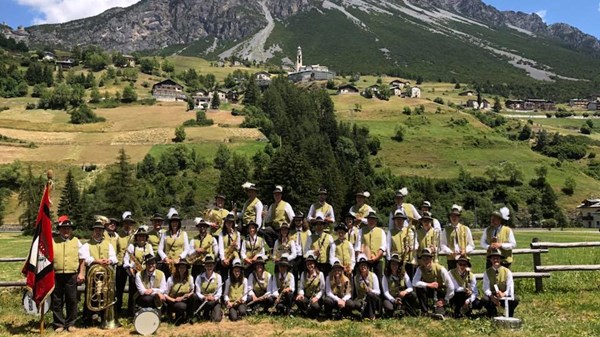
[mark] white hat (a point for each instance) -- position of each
(402, 192)
(278, 189)
(365, 194)
(361, 258)
(127, 215)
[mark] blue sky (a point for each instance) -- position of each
(583, 14)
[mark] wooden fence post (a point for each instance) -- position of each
(537, 261)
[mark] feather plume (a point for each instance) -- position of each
(127, 214)
(171, 212)
(457, 207)
(403, 191)
(505, 213)
(247, 184)
(367, 194)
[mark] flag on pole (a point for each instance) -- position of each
(38, 268)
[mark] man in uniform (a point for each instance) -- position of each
(498, 285)
(156, 233)
(366, 284)
(215, 215)
(323, 207)
(456, 240)
(409, 209)
(433, 283)
(372, 243)
(300, 234)
(124, 239)
(402, 242)
(97, 250)
(465, 287)
(342, 250)
(426, 207)
(319, 242)
(499, 236)
(252, 210)
(200, 246)
(66, 276)
(361, 209)
(283, 286)
(278, 213)
(151, 285)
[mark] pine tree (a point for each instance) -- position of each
(120, 191)
(30, 196)
(233, 175)
(216, 101)
(252, 94)
(69, 199)
(222, 157)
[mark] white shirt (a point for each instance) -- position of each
(311, 212)
(171, 284)
(288, 211)
(321, 278)
(258, 207)
(251, 240)
(251, 284)
(382, 244)
(215, 246)
(332, 256)
(293, 247)
(202, 281)
(386, 288)
(511, 244)
(374, 287)
(301, 247)
(147, 249)
(447, 280)
(141, 288)
(472, 285)
(330, 293)
(488, 289)
(412, 234)
(228, 287)
(445, 246)
(222, 237)
(163, 240)
(274, 290)
(415, 213)
(84, 254)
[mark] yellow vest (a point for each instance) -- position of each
(66, 255)
(303, 238)
(285, 282)
(174, 246)
(215, 215)
(362, 212)
(253, 249)
(209, 288)
(318, 208)
(460, 234)
(321, 244)
(352, 237)
(139, 253)
(158, 277)
(463, 281)
(396, 284)
(154, 238)
(180, 288)
(284, 248)
(123, 242)
(228, 240)
(341, 288)
(278, 215)
(342, 252)
(500, 279)
(502, 236)
(372, 238)
(260, 286)
(114, 241)
(311, 285)
(250, 211)
(433, 275)
(363, 284)
(99, 250)
(207, 243)
(236, 290)
(426, 239)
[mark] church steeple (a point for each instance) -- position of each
(299, 59)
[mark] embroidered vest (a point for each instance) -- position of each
(250, 211)
(321, 244)
(66, 255)
(500, 278)
(502, 236)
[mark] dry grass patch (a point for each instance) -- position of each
(139, 117)
(224, 117)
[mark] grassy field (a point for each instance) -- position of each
(568, 307)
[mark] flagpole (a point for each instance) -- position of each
(49, 185)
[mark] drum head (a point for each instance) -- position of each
(146, 321)
(30, 306)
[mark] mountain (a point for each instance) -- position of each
(462, 39)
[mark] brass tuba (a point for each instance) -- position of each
(100, 292)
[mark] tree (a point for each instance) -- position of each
(457, 85)
(216, 101)
(419, 80)
(494, 173)
(95, 95)
(525, 133)
(179, 134)
(222, 157)
(252, 94)
(129, 94)
(147, 65)
(497, 105)
(69, 199)
(167, 66)
(84, 115)
(513, 172)
(569, 187)
(120, 192)
(399, 134)
(30, 196)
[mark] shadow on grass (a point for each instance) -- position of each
(30, 327)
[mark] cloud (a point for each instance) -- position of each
(542, 14)
(58, 11)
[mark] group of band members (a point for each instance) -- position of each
(336, 270)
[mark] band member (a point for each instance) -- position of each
(456, 240)
(236, 292)
(209, 287)
(397, 289)
(352, 225)
(110, 232)
(252, 210)
(300, 234)
(200, 246)
(361, 209)
(134, 260)
(319, 242)
(409, 209)
(366, 285)
(285, 245)
(97, 250)
(215, 215)
(402, 241)
(230, 245)
(465, 287)
(66, 276)
(433, 284)
(338, 289)
(498, 285)
(426, 207)
(372, 243)
(324, 208)
(180, 289)
(151, 285)
(173, 244)
(279, 212)
(124, 239)
(342, 250)
(499, 236)
(155, 234)
(252, 247)
(283, 286)
(259, 285)
(427, 238)
(310, 288)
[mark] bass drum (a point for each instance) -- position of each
(30, 306)
(146, 321)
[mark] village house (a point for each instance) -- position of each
(589, 213)
(130, 61)
(579, 103)
(64, 64)
(514, 104)
(201, 99)
(415, 92)
(593, 106)
(466, 93)
(396, 91)
(347, 89)
(168, 91)
(399, 84)
(539, 104)
(263, 79)
(473, 104)
(232, 95)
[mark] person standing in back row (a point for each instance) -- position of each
(323, 207)
(499, 236)
(279, 212)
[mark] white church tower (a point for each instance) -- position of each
(299, 59)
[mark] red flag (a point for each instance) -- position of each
(39, 268)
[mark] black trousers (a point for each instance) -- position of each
(147, 301)
(492, 310)
(181, 309)
(457, 302)
(210, 311)
(331, 305)
(237, 312)
(284, 306)
(270, 235)
(377, 268)
(409, 305)
(299, 267)
(64, 295)
(198, 269)
(309, 308)
(426, 295)
(325, 268)
(370, 305)
(265, 304)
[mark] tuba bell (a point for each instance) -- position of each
(100, 293)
